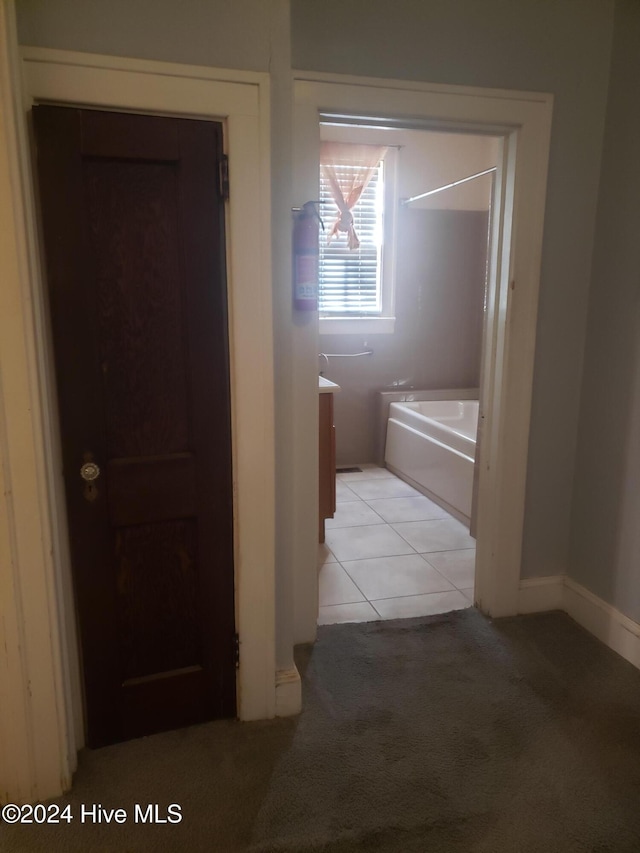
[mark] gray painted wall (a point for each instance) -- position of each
(440, 279)
(605, 530)
(562, 47)
(196, 32)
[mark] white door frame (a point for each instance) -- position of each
(43, 652)
(523, 120)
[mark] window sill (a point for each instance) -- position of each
(357, 325)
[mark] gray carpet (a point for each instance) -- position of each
(449, 733)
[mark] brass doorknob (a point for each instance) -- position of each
(89, 472)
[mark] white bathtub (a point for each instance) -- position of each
(432, 446)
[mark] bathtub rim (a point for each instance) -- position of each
(410, 395)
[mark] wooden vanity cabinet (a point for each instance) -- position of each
(327, 462)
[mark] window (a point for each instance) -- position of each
(350, 279)
(356, 284)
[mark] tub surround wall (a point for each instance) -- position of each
(440, 277)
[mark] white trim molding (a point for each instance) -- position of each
(537, 595)
(37, 742)
(41, 722)
(418, 86)
(604, 621)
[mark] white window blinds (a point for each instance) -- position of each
(350, 279)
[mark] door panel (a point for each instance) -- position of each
(134, 235)
(134, 239)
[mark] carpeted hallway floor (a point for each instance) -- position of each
(444, 733)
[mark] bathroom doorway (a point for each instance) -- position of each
(401, 318)
(521, 121)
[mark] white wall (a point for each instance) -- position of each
(605, 531)
(281, 203)
(563, 48)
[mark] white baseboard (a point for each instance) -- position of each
(604, 621)
(288, 692)
(539, 594)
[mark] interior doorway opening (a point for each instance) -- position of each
(522, 120)
(402, 317)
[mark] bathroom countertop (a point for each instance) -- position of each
(326, 386)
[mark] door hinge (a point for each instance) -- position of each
(223, 177)
(236, 650)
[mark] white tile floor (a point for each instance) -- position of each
(391, 553)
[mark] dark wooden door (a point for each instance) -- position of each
(133, 227)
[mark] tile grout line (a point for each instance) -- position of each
(372, 601)
(436, 569)
(350, 604)
(376, 610)
(431, 566)
(417, 595)
(353, 582)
